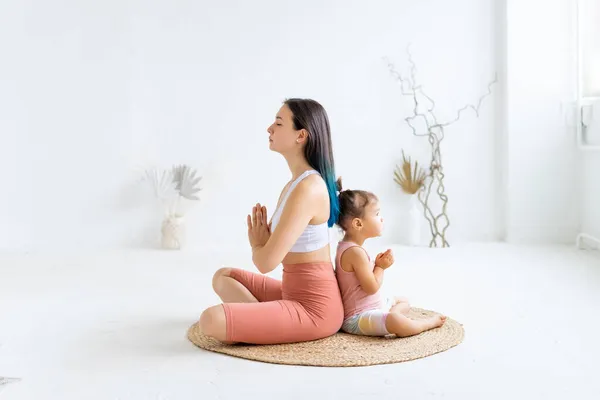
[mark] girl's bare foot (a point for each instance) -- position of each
(402, 326)
(400, 305)
(401, 308)
(434, 322)
(399, 299)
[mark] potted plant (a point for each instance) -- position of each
(175, 189)
(411, 180)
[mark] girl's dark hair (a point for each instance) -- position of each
(310, 115)
(352, 204)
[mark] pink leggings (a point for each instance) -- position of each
(305, 305)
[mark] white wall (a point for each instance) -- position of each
(542, 183)
(90, 90)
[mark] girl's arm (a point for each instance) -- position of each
(356, 259)
(304, 202)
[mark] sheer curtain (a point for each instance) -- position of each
(588, 127)
(590, 47)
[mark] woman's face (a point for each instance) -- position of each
(283, 138)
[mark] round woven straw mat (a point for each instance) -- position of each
(344, 350)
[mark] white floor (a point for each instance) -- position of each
(112, 326)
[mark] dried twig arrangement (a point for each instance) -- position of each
(423, 108)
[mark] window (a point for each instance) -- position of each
(589, 28)
(588, 74)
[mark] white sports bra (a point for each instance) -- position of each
(314, 237)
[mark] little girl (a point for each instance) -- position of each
(360, 279)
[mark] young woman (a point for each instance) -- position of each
(306, 304)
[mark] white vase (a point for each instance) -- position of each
(415, 221)
(173, 233)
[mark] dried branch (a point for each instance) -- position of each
(438, 223)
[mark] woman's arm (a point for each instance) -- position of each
(370, 278)
(301, 207)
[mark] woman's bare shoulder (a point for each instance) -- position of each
(313, 186)
(311, 197)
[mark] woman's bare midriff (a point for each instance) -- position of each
(321, 255)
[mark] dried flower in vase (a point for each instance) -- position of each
(409, 179)
(173, 186)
